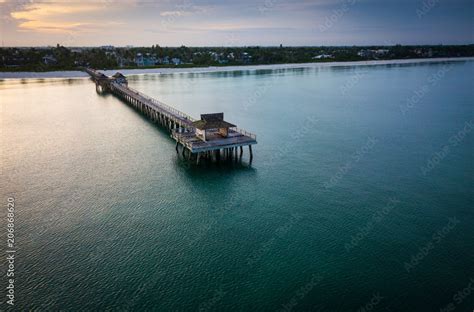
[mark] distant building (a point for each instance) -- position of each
(110, 53)
(145, 60)
(49, 60)
(80, 63)
(122, 61)
(364, 53)
(108, 47)
(381, 52)
(220, 57)
(149, 60)
(176, 61)
(322, 56)
(139, 59)
(246, 58)
(372, 53)
(423, 52)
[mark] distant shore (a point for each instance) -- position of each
(139, 71)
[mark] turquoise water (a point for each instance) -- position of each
(346, 205)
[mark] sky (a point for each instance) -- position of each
(235, 23)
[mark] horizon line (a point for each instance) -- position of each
(242, 46)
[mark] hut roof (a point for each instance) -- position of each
(212, 121)
(118, 75)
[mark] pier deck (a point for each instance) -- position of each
(211, 145)
(215, 141)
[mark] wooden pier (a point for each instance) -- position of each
(209, 138)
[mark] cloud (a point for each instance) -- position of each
(46, 10)
(52, 16)
(174, 13)
(45, 26)
(184, 10)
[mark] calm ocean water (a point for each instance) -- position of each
(360, 193)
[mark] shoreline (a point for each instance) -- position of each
(211, 69)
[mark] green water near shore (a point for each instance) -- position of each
(360, 191)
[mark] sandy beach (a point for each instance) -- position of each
(165, 71)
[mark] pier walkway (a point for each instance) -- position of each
(211, 137)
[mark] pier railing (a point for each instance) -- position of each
(93, 72)
(163, 105)
(173, 110)
(180, 138)
(246, 133)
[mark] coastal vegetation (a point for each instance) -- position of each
(109, 57)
